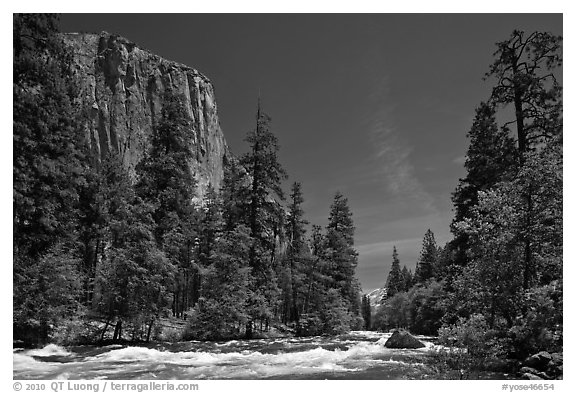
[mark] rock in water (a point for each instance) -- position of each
(538, 361)
(401, 339)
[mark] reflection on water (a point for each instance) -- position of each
(358, 355)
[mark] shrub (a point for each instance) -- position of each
(471, 345)
(540, 327)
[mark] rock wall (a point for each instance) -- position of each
(122, 87)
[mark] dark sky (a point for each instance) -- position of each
(374, 105)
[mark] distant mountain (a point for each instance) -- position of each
(376, 296)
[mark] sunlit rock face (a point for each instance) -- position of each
(122, 89)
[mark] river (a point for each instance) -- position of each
(357, 355)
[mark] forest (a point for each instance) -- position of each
(496, 288)
(100, 255)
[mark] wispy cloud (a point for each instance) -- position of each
(382, 248)
(460, 160)
(392, 155)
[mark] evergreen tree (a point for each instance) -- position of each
(512, 221)
(523, 68)
(210, 225)
(427, 260)
(491, 158)
(407, 278)
(166, 179)
(266, 175)
(264, 216)
(340, 252)
(48, 169)
(235, 193)
(316, 272)
(167, 182)
(395, 282)
(48, 165)
(224, 306)
(134, 276)
(503, 224)
(297, 255)
(366, 312)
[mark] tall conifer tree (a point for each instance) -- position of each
(395, 281)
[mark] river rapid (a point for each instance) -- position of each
(357, 355)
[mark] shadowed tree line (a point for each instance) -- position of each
(99, 255)
(496, 288)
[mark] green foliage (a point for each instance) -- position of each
(508, 297)
(48, 157)
(524, 68)
(48, 170)
(366, 312)
(235, 193)
(93, 242)
(420, 310)
(46, 293)
(167, 183)
(407, 278)
(258, 206)
(491, 158)
(540, 326)
(426, 266)
(292, 274)
(224, 306)
(339, 251)
(310, 325)
(165, 176)
(471, 344)
(393, 313)
(335, 316)
(396, 280)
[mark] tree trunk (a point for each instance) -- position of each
(519, 113)
(249, 329)
(104, 330)
(149, 331)
(118, 331)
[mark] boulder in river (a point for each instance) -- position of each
(401, 339)
(538, 361)
(534, 372)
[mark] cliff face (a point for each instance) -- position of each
(122, 86)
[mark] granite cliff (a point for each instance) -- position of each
(122, 87)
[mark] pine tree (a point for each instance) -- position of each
(366, 312)
(210, 225)
(341, 255)
(235, 193)
(264, 216)
(395, 281)
(491, 158)
(48, 165)
(133, 278)
(407, 278)
(224, 306)
(316, 279)
(427, 260)
(297, 255)
(167, 182)
(48, 169)
(165, 176)
(523, 68)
